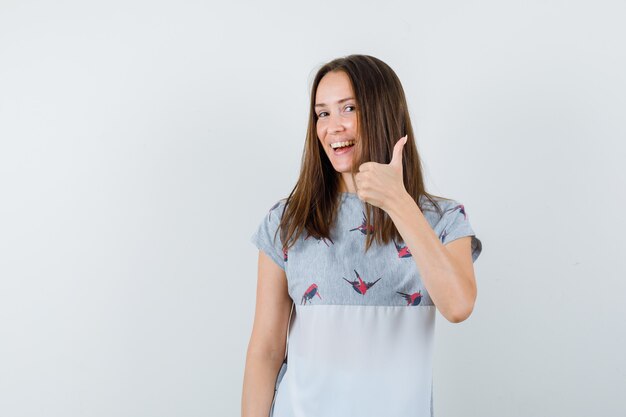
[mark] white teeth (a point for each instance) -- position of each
(340, 144)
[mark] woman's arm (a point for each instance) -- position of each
(266, 349)
(447, 271)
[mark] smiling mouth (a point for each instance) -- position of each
(341, 148)
(341, 145)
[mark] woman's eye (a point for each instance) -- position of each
(323, 113)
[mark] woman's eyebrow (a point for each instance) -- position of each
(340, 101)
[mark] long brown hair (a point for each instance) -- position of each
(382, 119)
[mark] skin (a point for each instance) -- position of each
(266, 348)
(335, 106)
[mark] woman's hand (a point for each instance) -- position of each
(382, 184)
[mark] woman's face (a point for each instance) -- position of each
(335, 106)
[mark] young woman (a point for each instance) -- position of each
(365, 255)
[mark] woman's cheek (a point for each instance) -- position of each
(320, 135)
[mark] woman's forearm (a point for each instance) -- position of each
(258, 383)
(443, 279)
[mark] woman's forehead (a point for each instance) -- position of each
(333, 87)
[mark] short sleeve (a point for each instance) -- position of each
(263, 237)
(456, 225)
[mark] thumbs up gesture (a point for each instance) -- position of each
(380, 184)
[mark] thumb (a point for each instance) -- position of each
(396, 159)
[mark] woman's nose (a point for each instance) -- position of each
(336, 124)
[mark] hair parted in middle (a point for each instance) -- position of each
(382, 119)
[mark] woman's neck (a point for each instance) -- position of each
(345, 183)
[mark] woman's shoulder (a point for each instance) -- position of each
(436, 204)
(278, 204)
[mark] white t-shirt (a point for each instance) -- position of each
(361, 336)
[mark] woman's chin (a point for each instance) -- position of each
(342, 165)
(342, 168)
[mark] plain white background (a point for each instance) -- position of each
(141, 143)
